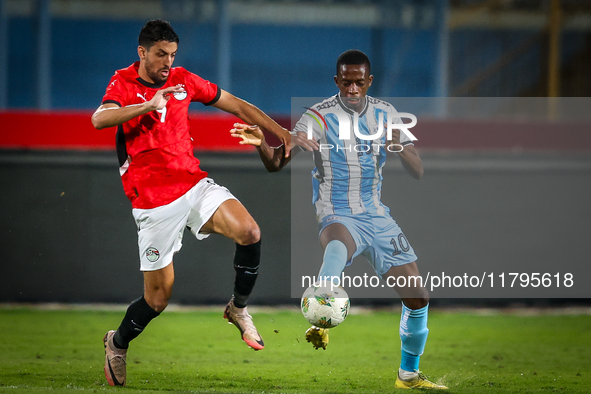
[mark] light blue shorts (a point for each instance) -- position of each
(378, 238)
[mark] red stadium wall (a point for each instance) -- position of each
(73, 130)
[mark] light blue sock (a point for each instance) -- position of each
(335, 258)
(413, 335)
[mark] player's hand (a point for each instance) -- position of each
(286, 141)
(300, 139)
(395, 137)
(251, 135)
(162, 96)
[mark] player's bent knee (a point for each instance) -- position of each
(161, 307)
(156, 303)
(424, 299)
(158, 298)
(418, 300)
(250, 234)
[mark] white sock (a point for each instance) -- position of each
(406, 375)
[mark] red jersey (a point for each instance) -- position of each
(155, 149)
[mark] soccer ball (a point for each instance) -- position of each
(325, 307)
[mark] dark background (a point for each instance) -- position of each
(489, 193)
(69, 236)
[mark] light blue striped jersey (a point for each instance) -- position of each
(348, 177)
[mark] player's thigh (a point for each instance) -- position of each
(390, 251)
(232, 220)
(215, 210)
(406, 271)
(408, 283)
(160, 232)
(390, 247)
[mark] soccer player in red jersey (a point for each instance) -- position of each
(149, 102)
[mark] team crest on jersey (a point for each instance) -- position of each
(152, 254)
(180, 95)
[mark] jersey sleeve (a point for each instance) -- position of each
(116, 92)
(202, 91)
(311, 120)
(404, 139)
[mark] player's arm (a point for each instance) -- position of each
(409, 157)
(111, 114)
(273, 158)
(252, 115)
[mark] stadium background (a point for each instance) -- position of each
(66, 227)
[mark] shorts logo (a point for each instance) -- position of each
(180, 95)
(152, 254)
(331, 218)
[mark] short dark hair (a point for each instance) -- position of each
(353, 56)
(157, 30)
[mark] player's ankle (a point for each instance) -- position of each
(407, 375)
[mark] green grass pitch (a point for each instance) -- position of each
(197, 351)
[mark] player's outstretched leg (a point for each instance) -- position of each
(333, 263)
(241, 319)
(137, 317)
(246, 265)
(115, 364)
(318, 337)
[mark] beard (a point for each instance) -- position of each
(157, 77)
(155, 74)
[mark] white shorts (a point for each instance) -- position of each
(160, 229)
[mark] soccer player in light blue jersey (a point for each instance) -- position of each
(347, 183)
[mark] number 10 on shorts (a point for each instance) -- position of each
(400, 244)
